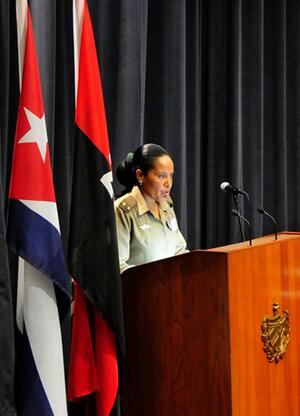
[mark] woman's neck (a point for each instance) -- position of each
(153, 205)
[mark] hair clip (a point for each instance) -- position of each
(129, 157)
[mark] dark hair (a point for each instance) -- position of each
(143, 158)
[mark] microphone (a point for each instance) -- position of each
(237, 214)
(262, 211)
(226, 187)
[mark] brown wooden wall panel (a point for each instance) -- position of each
(194, 337)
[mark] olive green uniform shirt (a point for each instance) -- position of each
(142, 237)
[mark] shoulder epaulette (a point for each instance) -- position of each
(128, 203)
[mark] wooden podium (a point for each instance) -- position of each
(193, 328)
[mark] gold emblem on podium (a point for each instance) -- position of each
(276, 334)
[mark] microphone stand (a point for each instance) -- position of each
(237, 214)
(236, 203)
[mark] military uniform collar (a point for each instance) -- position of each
(141, 203)
(140, 200)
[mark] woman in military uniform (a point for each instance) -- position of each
(146, 222)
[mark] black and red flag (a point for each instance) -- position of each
(93, 254)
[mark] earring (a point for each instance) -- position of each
(140, 182)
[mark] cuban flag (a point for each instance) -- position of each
(33, 232)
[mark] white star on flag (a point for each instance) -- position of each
(38, 132)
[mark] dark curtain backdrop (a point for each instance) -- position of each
(216, 82)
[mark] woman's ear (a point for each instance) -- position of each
(139, 175)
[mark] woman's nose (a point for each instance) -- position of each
(168, 182)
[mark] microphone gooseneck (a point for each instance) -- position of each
(241, 217)
(264, 212)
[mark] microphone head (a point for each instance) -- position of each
(261, 210)
(224, 185)
(235, 213)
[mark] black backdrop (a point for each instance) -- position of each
(216, 82)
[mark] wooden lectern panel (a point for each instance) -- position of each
(258, 276)
(193, 329)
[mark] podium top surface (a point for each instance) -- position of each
(269, 239)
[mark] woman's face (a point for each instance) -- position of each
(159, 180)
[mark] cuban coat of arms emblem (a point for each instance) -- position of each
(276, 334)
